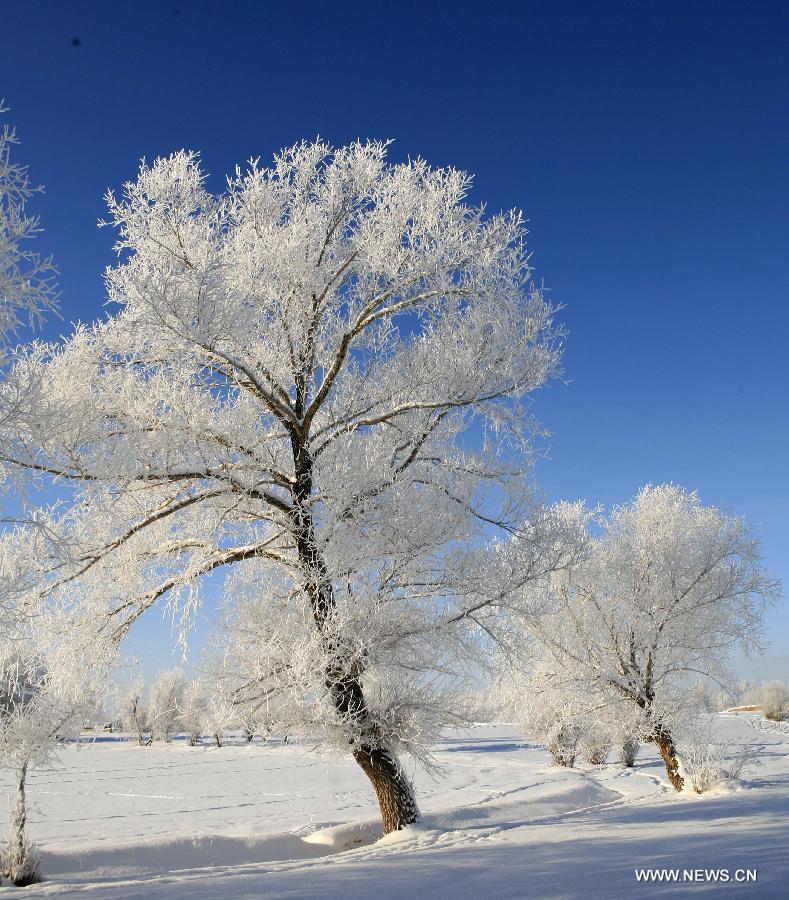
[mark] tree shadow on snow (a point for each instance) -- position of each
(484, 745)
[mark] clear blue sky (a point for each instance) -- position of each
(646, 143)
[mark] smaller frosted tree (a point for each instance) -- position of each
(561, 715)
(135, 714)
(596, 742)
(219, 716)
(43, 697)
(668, 588)
(774, 700)
(543, 710)
(167, 694)
(26, 733)
(190, 717)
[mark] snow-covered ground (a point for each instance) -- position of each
(117, 821)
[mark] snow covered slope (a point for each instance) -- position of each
(118, 821)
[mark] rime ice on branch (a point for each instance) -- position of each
(26, 278)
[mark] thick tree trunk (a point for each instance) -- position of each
(392, 787)
(665, 744)
(343, 675)
(391, 784)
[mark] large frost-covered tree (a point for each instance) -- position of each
(666, 591)
(320, 378)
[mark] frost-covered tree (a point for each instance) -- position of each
(596, 742)
(539, 705)
(668, 588)
(190, 717)
(773, 697)
(319, 378)
(49, 672)
(45, 689)
(26, 278)
(166, 698)
(219, 716)
(135, 714)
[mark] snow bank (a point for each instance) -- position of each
(346, 837)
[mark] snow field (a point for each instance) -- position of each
(121, 821)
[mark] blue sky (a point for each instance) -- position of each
(646, 143)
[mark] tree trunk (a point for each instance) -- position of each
(16, 838)
(20, 864)
(665, 744)
(392, 787)
(343, 675)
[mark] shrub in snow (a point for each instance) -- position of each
(596, 743)
(628, 752)
(544, 710)
(774, 700)
(190, 716)
(218, 717)
(707, 763)
(562, 743)
(20, 860)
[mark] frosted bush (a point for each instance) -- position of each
(709, 763)
(628, 752)
(20, 862)
(165, 702)
(774, 700)
(562, 743)
(595, 744)
(544, 710)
